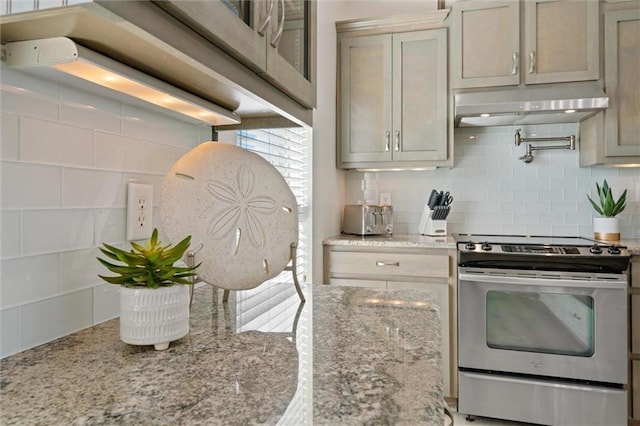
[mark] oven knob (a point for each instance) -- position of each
(470, 245)
(614, 250)
(595, 249)
(486, 246)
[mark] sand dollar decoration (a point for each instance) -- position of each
(237, 207)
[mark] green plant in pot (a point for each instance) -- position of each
(607, 227)
(154, 294)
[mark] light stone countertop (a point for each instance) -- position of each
(422, 241)
(632, 245)
(357, 356)
(395, 240)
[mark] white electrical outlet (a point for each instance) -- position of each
(139, 210)
(385, 199)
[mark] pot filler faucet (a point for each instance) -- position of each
(528, 156)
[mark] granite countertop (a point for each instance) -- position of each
(346, 356)
(423, 241)
(395, 240)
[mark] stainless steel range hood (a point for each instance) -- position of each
(569, 103)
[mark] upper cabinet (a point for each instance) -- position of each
(393, 101)
(508, 42)
(275, 38)
(611, 137)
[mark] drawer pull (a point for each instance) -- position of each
(380, 263)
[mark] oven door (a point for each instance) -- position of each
(543, 323)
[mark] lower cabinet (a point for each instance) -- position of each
(634, 343)
(430, 269)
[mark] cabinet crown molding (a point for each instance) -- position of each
(396, 23)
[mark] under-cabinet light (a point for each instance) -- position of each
(570, 111)
(63, 54)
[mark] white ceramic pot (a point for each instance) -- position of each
(154, 316)
(606, 228)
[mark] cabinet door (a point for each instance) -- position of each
(365, 98)
(443, 293)
(635, 391)
(622, 81)
(561, 40)
(290, 60)
(239, 27)
(486, 43)
(420, 96)
(350, 282)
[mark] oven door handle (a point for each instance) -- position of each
(543, 281)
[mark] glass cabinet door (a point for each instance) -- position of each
(290, 49)
(275, 38)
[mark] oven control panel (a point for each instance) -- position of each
(542, 249)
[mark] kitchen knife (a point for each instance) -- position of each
(433, 199)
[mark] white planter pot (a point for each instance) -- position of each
(606, 228)
(154, 316)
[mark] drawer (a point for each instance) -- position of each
(388, 264)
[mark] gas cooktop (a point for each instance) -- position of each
(576, 254)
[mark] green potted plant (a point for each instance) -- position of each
(607, 227)
(154, 293)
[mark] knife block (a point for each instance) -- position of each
(431, 227)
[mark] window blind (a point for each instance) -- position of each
(288, 150)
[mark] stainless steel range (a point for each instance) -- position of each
(542, 329)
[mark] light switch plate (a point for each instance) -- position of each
(139, 211)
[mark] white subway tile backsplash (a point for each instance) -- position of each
(29, 96)
(110, 225)
(48, 142)
(79, 269)
(49, 319)
(106, 302)
(10, 235)
(120, 153)
(87, 110)
(56, 230)
(9, 337)
(9, 144)
(30, 185)
(160, 128)
(29, 279)
(92, 188)
(68, 154)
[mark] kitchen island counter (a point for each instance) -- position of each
(346, 356)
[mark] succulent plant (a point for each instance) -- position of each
(608, 207)
(151, 265)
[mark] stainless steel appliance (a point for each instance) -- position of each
(542, 329)
(366, 219)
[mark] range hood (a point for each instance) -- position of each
(569, 103)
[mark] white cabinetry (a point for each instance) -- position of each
(274, 38)
(429, 269)
(611, 137)
(393, 101)
(508, 42)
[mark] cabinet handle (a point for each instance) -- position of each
(381, 263)
(387, 141)
(514, 63)
(275, 41)
(397, 144)
(267, 18)
(532, 62)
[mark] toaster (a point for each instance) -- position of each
(366, 219)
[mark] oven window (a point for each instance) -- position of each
(551, 323)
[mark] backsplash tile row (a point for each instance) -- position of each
(496, 192)
(66, 155)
